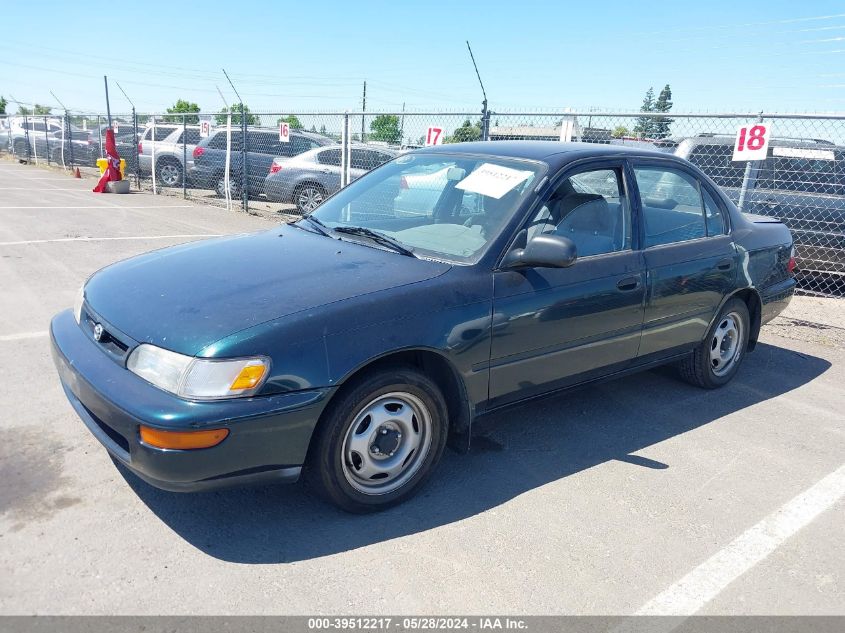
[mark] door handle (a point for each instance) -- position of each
(725, 264)
(770, 202)
(628, 284)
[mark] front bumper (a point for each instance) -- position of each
(268, 436)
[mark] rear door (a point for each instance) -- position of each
(689, 255)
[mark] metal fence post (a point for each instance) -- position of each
(344, 151)
(69, 138)
(184, 155)
(750, 170)
(26, 138)
(137, 165)
(100, 135)
(47, 140)
(152, 154)
(485, 122)
(244, 166)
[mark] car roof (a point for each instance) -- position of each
(547, 151)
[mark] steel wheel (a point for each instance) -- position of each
(725, 346)
(170, 174)
(309, 198)
(386, 443)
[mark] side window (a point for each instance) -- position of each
(37, 126)
(359, 159)
(329, 157)
(672, 205)
(178, 139)
(591, 209)
(712, 215)
(192, 137)
(162, 133)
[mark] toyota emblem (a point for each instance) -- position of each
(98, 332)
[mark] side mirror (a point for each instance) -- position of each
(543, 251)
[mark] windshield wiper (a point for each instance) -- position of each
(321, 228)
(378, 238)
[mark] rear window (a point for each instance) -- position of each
(218, 141)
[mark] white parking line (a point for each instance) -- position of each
(20, 337)
(705, 582)
(106, 239)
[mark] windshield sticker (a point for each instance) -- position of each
(796, 152)
(493, 181)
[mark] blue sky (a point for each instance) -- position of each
(717, 55)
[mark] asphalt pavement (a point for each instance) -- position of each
(642, 495)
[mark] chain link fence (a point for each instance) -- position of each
(288, 162)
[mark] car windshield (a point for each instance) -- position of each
(444, 206)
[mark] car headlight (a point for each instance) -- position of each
(200, 378)
(77, 303)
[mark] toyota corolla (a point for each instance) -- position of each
(348, 346)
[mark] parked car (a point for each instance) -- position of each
(47, 138)
(357, 339)
(262, 147)
(309, 178)
(173, 145)
(801, 182)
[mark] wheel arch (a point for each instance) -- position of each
(436, 366)
(751, 297)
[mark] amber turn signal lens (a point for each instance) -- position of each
(249, 377)
(182, 440)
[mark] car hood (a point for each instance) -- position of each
(186, 297)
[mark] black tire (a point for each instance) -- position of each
(700, 368)
(329, 471)
(311, 191)
(169, 173)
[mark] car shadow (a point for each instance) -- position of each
(513, 451)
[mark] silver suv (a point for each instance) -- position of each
(173, 146)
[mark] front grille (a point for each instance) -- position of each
(114, 343)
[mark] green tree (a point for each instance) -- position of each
(313, 128)
(235, 109)
(660, 125)
(38, 109)
(3, 104)
(645, 125)
(181, 106)
(385, 127)
(619, 131)
(291, 120)
(467, 132)
(323, 130)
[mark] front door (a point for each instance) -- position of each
(554, 327)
